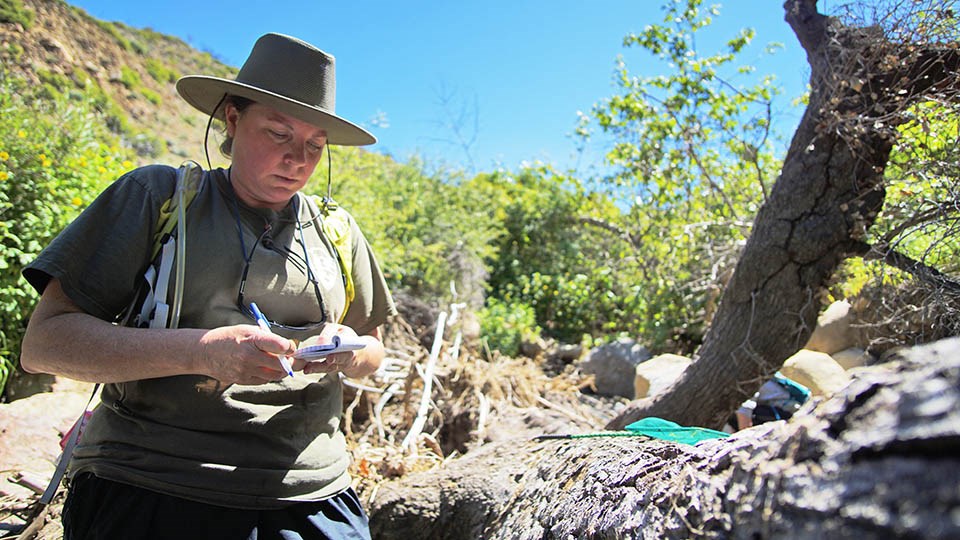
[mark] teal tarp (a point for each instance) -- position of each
(671, 431)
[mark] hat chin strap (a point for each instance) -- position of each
(206, 133)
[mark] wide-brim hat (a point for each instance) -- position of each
(287, 74)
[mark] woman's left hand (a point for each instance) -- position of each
(351, 363)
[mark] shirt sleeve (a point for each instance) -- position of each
(372, 304)
(99, 258)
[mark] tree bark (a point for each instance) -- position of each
(828, 195)
(878, 460)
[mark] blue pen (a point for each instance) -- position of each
(264, 324)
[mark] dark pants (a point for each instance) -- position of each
(101, 509)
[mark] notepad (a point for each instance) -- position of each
(318, 353)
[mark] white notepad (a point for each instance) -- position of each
(317, 353)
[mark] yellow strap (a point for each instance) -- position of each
(168, 211)
(336, 226)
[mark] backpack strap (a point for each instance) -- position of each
(159, 303)
(335, 223)
(61, 469)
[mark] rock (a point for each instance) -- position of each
(30, 431)
(614, 366)
(56, 49)
(817, 371)
(532, 346)
(658, 373)
(853, 357)
(833, 332)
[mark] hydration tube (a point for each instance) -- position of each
(188, 170)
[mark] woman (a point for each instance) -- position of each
(201, 433)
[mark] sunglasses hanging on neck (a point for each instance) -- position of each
(302, 263)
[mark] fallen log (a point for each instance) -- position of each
(879, 459)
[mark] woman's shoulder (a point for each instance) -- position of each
(151, 175)
(158, 180)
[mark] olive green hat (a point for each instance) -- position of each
(287, 74)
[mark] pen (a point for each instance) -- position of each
(264, 324)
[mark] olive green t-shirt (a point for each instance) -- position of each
(259, 446)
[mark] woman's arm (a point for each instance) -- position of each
(62, 339)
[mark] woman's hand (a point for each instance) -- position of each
(353, 364)
(243, 354)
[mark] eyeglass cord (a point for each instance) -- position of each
(286, 252)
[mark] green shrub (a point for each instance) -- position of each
(13, 11)
(111, 28)
(151, 96)
(55, 156)
(14, 51)
(160, 72)
(505, 325)
(130, 78)
(427, 231)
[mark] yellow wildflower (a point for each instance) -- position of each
(22, 134)
(102, 170)
(4, 175)
(127, 164)
(77, 201)
(4, 156)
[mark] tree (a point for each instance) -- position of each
(868, 447)
(865, 82)
(691, 160)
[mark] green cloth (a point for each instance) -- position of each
(240, 446)
(659, 428)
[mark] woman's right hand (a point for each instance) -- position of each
(243, 354)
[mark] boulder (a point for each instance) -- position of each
(817, 371)
(614, 366)
(833, 332)
(658, 373)
(853, 357)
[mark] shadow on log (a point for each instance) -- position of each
(880, 459)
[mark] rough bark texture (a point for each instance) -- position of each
(879, 460)
(828, 195)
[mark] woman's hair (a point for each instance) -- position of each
(241, 103)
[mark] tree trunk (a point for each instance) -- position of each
(828, 195)
(878, 460)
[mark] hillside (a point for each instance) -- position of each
(135, 69)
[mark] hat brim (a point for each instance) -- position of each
(204, 93)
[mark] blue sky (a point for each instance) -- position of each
(511, 74)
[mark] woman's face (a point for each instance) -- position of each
(273, 153)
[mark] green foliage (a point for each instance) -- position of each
(152, 97)
(691, 162)
(426, 231)
(13, 11)
(920, 214)
(160, 72)
(505, 325)
(55, 156)
(130, 78)
(114, 31)
(547, 258)
(13, 51)
(53, 85)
